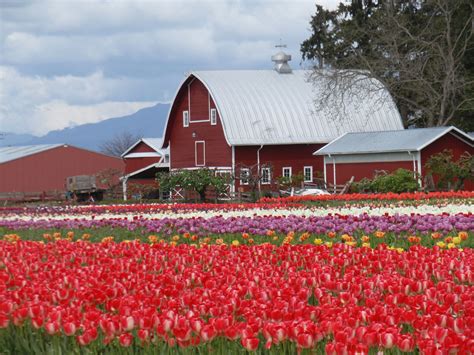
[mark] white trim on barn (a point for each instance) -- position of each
(203, 153)
(143, 155)
(372, 157)
(153, 143)
(310, 167)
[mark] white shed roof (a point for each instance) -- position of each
(154, 143)
(389, 141)
(266, 107)
(16, 152)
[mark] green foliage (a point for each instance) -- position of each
(421, 51)
(451, 174)
(401, 180)
(198, 180)
(288, 182)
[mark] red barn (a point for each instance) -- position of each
(43, 169)
(143, 160)
(226, 119)
(361, 154)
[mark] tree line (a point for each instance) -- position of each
(421, 51)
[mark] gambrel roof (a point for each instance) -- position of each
(266, 107)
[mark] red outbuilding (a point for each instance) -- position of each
(43, 169)
(143, 160)
(362, 154)
(225, 120)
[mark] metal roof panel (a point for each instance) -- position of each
(385, 141)
(266, 107)
(16, 152)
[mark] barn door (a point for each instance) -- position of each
(200, 153)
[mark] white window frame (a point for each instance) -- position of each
(213, 117)
(244, 181)
(289, 169)
(185, 118)
(265, 182)
(304, 173)
(203, 153)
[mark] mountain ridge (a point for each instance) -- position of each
(146, 122)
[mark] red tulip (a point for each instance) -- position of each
(208, 332)
(143, 334)
(388, 340)
(406, 343)
(37, 322)
(251, 344)
(51, 328)
(127, 323)
(69, 328)
(4, 321)
(126, 339)
(304, 341)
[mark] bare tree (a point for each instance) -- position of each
(252, 176)
(109, 179)
(415, 50)
(117, 145)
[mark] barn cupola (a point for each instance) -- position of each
(281, 60)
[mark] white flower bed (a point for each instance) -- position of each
(313, 211)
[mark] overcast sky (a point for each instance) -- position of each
(65, 63)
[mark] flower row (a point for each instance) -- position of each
(263, 297)
(400, 243)
(382, 196)
(348, 201)
(251, 212)
(259, 225)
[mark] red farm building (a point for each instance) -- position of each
(361, 154)
(42, 169)
(143, 160)
(227, 119)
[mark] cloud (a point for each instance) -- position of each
(39, 104)
(64, 59)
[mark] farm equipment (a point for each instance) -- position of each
(83, 188)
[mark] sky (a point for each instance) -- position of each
(69, 62)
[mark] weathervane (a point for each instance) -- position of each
(280, 45)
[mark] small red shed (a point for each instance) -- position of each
(224, 120)
(43, 169)
(143, 160)
(361, 154)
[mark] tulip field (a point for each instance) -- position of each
(371, 274)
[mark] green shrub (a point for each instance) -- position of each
(451, 174)
(401, 180)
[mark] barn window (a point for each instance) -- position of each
(185, 118)
(287, 172)
(308, 174)
(167, 158)
(244, 174)
(266, 176)
(213, 116)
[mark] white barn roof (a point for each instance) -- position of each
(16, 152)
(266, 107)
(389, 141)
